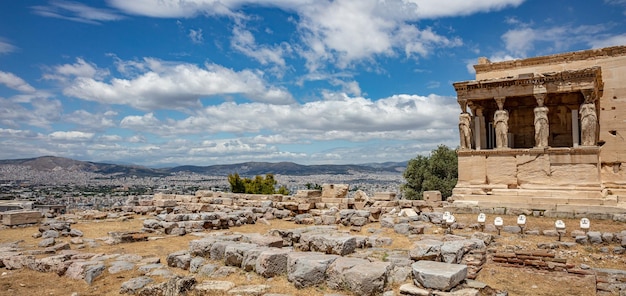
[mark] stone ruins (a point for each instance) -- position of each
(545, 133)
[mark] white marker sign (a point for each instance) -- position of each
(482, 218)
(451, 219)
(585, 223)
(559, 224)
(521, 220)
(498, 221)
(446, 215)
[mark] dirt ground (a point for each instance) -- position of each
(517, 281)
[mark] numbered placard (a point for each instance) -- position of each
(498, 221)
(446, 215)
(482, 218)
(521, 220)
(451, 219)
(585, 223)
(559, 224)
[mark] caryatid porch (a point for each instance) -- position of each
(531, 140)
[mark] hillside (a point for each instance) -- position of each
(52, 163)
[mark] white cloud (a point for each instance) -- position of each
(450, 8)
(621, 3)
(77, 12)
(524, 40)
(110, 138)
(16, 83)
(337, 117)
(196, 36)
(341, 32)
(70, 136)
(15, 133)
(244, 42)
(6, 47)
(609, 41)
(40, 112)
(170, 85)
(80, 69)
(173, 8)
(86, 120)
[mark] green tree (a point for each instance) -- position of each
(236, 183)
(438, 171)
(311, 186)
(257, 185)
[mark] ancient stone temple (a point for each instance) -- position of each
(545, 133)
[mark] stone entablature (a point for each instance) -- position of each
(556, 59)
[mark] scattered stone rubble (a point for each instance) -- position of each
(316, 254)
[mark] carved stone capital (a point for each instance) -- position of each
(541, 98)
(589, 95)
(500, 102)
(463, 104)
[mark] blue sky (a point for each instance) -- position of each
(204, 82)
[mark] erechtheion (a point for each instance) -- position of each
(545, 133)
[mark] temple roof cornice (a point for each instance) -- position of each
(530, 84)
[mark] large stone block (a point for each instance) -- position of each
(305, 269)
(272, 262)
(335, 190)
(234, 253)
(427, 249)
(20, 217)
(329, 244)
(336, 271)
(501, 169)
(438, 275)
(367, 279)
(432, 195)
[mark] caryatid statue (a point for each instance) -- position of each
(588, 124)
(542, 127)
(588, 119)
(501, 123)
(465, 130)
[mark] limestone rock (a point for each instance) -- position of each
(215, 287)
(308, 269)
(438, 275)
(272, 262)
(135, 284)
(367, 279)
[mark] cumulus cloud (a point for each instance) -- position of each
(170, 85)
(91, 121)
(40, 112)
(341, 32)
(77, 12)
(16, 83)
(79, 69)
(70, 136)
(338, 117)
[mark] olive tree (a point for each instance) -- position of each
(438, 171)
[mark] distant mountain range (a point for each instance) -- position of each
(53, 163)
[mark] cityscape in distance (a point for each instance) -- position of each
(84, 184)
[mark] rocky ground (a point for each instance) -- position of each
(129, 254)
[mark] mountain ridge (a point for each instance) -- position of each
(54, 163)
